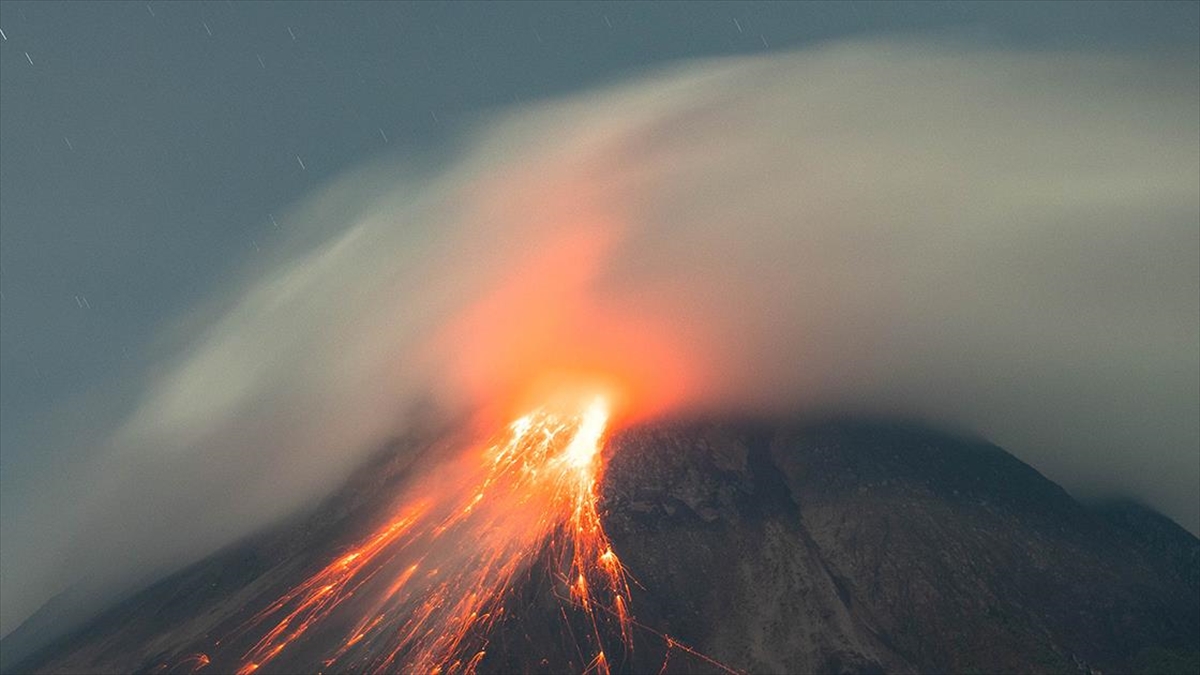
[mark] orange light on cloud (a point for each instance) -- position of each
(541, 330)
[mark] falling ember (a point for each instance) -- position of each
(433, 580)
(190, 663)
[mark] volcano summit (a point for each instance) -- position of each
(706, 546)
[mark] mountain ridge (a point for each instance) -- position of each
(768, 546)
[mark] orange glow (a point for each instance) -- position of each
(531, 489)
(190, 663)
(543, 327)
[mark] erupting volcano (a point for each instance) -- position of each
(437, 574)
(849, 547)
(704, 355)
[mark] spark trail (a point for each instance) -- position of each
(434, 579)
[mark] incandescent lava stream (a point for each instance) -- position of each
(433, 579)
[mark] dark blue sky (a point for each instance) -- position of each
(144, 146)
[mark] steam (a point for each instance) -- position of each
(1002, 241)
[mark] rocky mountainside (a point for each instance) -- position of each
(842, 547)
(885, 548)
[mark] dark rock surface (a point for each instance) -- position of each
(775, 548)
(880, 547)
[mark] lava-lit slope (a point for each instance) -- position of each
(765, 548)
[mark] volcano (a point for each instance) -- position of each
(761, 546)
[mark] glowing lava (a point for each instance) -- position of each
(434, 579)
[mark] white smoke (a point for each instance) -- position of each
(1003, 241)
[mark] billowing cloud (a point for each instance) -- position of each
(1006, 242)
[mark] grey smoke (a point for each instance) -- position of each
(1003, 241)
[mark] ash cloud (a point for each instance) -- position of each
(1000, 241)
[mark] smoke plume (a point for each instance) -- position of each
(1000, 241)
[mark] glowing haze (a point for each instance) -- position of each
(1004, 242)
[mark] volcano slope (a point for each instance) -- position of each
(839, 547)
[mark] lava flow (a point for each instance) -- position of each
(434, 579)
